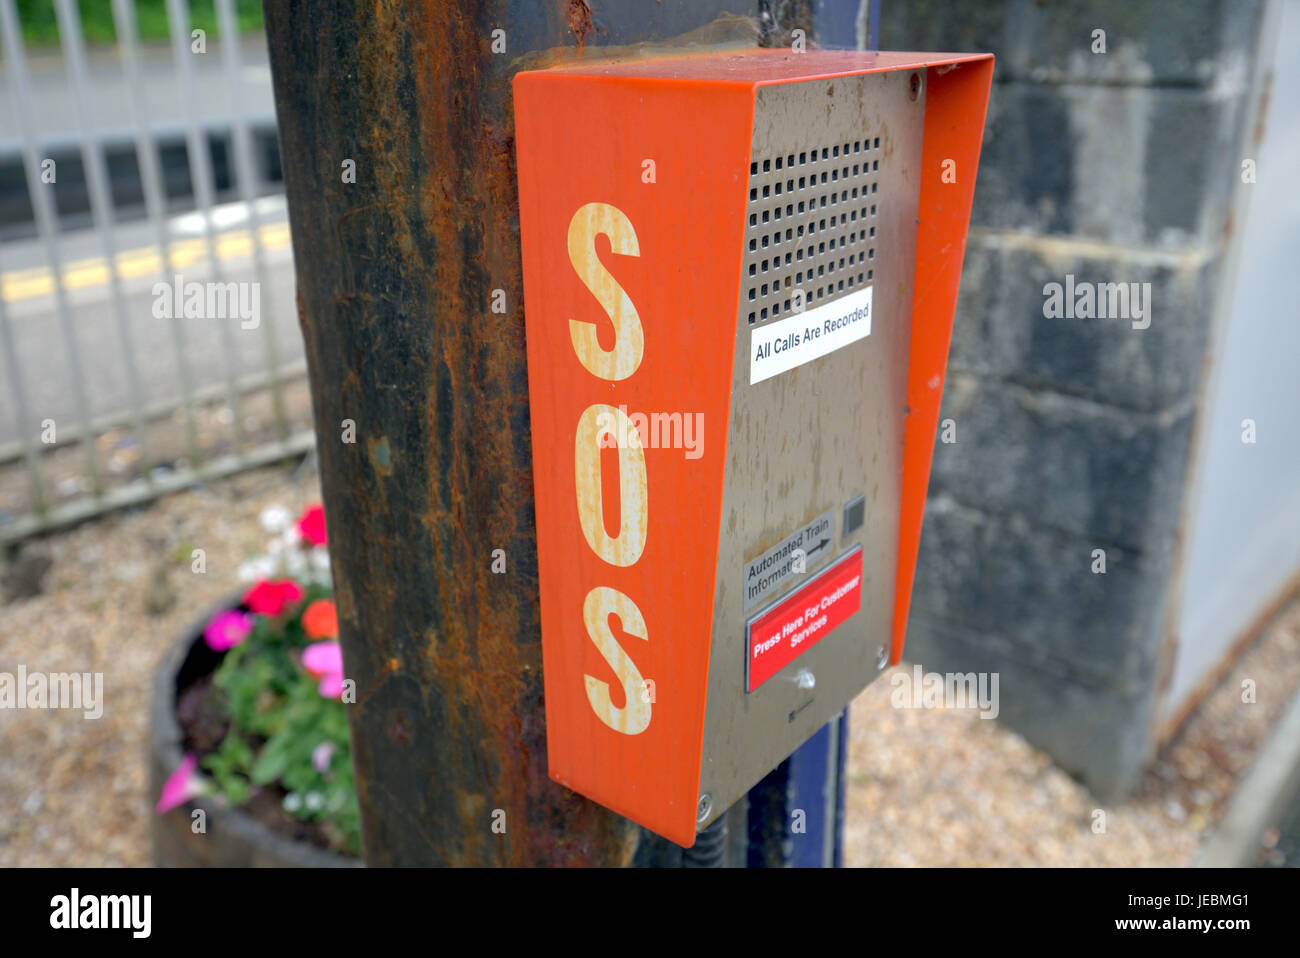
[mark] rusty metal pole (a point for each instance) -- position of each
(396, 132)
(397, 140)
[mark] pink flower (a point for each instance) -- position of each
(321, 755)
(269, 597)
(182, 785)
(324, 661)
(312, 525)
(227, 629)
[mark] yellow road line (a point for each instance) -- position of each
(131, 264)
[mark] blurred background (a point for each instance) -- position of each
(1114, 516)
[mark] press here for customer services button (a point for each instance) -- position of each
(781, 634)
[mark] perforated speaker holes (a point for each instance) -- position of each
(811, 226)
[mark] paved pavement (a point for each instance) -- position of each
(27, 285)
(55, 107)
(1286, 853)
(34, 316)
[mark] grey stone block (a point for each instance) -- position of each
(1093, 731)
(948, 26)
(1121, 164)
(1155, 42)
(1071, 464)
(1073, 433)
(1034, 586)
(1001, 331)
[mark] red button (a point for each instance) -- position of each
(778, 636)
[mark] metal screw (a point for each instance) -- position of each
(806, 679)
(704, 808)
(882, 657)
(916, 85)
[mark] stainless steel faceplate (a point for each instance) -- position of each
(833, 197)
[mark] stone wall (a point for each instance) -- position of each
(1074, 434)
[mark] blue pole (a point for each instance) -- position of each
(796, 813)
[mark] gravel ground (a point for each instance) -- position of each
(120, 456)
(74, 791)
(1281, 846)
(945, 787)
(926, 787)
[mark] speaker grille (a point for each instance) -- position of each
(811, 227)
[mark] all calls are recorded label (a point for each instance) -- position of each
(802, 337)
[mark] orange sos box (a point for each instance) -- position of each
(633, 184)
(627, 540)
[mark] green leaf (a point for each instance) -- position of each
(271, 764)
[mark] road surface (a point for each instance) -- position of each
(39, 337)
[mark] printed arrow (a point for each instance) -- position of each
(817, 548)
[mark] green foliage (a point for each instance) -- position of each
(40, 27)
(277, 720)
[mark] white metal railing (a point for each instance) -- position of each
(200, 376)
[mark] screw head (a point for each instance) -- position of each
(704, 808)
(915, 89)
(882, 657)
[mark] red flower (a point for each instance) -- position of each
(271, 597)
(320, 620)
(312, 525)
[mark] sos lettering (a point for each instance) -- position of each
(597, 420)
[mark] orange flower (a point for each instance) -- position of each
(320, 620)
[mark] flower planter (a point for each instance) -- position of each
(233, 837)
